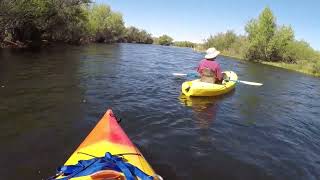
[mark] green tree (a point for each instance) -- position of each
(267, 41)
(238, 48)
(260, 33)
(116, 27)
(104, 24)
(279, 43)
(66, 20)
(30, 20)
(135, 35)
(184, 44)
(145, 37)
(221, 41)
(132, 34)
(300, 52)
(164, 40)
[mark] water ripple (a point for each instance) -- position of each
(56, 96)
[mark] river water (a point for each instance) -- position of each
(50, 100)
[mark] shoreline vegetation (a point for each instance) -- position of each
(309, 68)
(268, 43)
(38, 23)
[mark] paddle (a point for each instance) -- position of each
(238, 81)
(188, 75)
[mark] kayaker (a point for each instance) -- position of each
(209, 69)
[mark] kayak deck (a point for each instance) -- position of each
(108, 136)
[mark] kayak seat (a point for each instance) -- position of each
(107, 175)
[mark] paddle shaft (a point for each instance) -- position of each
(237, 81)
(246, 82)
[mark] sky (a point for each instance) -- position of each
(196, 20)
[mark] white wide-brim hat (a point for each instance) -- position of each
(211, 53)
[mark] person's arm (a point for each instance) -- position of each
(198, 68)
(219, 73)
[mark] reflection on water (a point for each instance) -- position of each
(205, 110)
(204, 113)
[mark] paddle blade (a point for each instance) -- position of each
(251, 83)
(179, 74)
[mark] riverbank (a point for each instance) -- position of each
(302, 68)
(267, 42)
(40, 22)
(306, 67)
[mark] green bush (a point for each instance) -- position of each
(135, 35)
(267, 41)
(62, 20)
(238, 48)
(29, 20)
(184, 44)
(221, 41)
(164, 40)
(298, 51)
(228, 43)
(104, 24)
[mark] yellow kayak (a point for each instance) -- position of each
(106, 153)
(198, 88)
